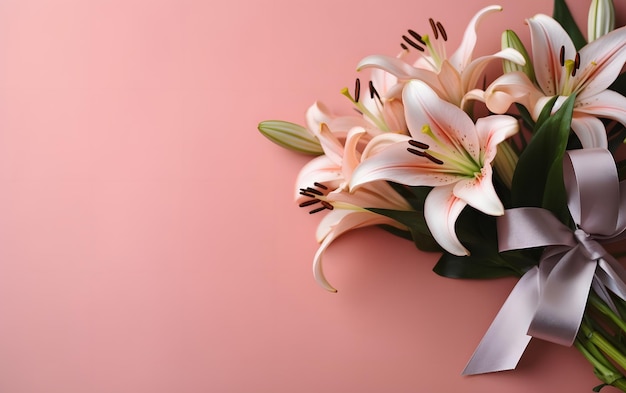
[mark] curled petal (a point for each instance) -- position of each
(316, 115)
(351, 157)
(590, 131)
(330, 144)
(509, 88)
(335, 224)
(492, 130)
(474, 70)
(463, 55)
(380, 142)
(320, 169)
(441, 210)
(402, 70)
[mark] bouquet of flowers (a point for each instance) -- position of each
(521, 176)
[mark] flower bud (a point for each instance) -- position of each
(511, 40)
(291, 136)
(601, 19)
(505, 163)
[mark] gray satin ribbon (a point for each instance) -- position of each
(549, 300)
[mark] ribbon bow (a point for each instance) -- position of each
(549, 300)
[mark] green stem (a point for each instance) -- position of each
(603, 345)
(599, 362)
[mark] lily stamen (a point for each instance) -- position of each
(418, 144)
(362, 109)
(357, 89)
(425, 155)
(433, 26)
(413, 44)
(319, 209)
(444, 35)
(327, 205)
(309, 202)
(317, 197)
(374, 93)
(417, 37)
(562, 56)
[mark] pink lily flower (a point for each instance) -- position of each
(451, 77)
(561, 71)
(322, 185)
(446, 151)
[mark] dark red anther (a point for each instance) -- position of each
(373, 92)
(417, 37)
(418, 144)
(444, 35)
(413, 44)
(309, 202)
(433, 26)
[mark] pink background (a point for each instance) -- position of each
(148, 238)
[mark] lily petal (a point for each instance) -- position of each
(402, 70)
(335, 224)
(381, 142)
(463, 55)
(606, 104)
(316, 115)
(441, 210)
(509, 88)
(480, 193)
(447, 121)
(450, 80)
(547, 38)
(396, 164)
(492, 130)
(602, 61)
(590, 131)
(474, 70)
(320, 169)
(351, 157)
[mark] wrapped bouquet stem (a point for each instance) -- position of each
(532, 189)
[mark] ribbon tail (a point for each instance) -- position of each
(504, 343)
(600, 289)
(563, 299)
(613, 275)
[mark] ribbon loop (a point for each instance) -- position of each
(573, 262)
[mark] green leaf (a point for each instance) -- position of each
(538, 177)
(526, 116)
(563, 15)
(470, 267)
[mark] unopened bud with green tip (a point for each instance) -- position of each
(511, 40)
(291, 136)
(601, 19)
